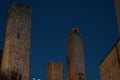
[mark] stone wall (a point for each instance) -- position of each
(54, 71)
(110, 66)
(117, 8)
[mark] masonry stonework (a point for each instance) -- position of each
(16, 52)
(0, 59)
(110, 65)
(54, 71)
(117, 8)
(75, 56)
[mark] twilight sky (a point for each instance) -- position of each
(51, 20)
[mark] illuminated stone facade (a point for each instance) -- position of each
(117, 8)
(16, 52)
(110, 66)
(75, 56)
(54, 71)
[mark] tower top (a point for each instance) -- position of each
(74, 30)
(17, 6)
(18, 9)
(58, 63)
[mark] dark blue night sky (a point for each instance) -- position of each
(51, 20)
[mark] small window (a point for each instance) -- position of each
(14, 75)
(18, 35)
(80, 75)
(80, 78)
(75, 31)
(19, 77)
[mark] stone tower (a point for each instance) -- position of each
(54, 71)
(16, 52)
(75, 56)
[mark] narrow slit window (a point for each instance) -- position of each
(18, 35)
(19, 77)
(80, 78)
(80, 75)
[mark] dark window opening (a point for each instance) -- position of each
(68, 61)
(18, 35)
(14, 76)
(75, 31)
(80, 75)
(28, 13)
(80, 78)
(19, 77)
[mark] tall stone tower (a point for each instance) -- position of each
(54, 71)
(16, 52)
(75, 56)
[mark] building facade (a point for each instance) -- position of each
(0, 59)
(75, 55)
(110, 65)
(117, 8)
(16, 51)
(54, 71)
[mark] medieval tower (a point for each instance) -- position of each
(16, 51)
(75, 56)
(54, 71)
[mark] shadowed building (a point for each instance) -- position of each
(75, 56)
(54, 71)
(0, 59)
(16, 52)
(117, 8)
(110, 65)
